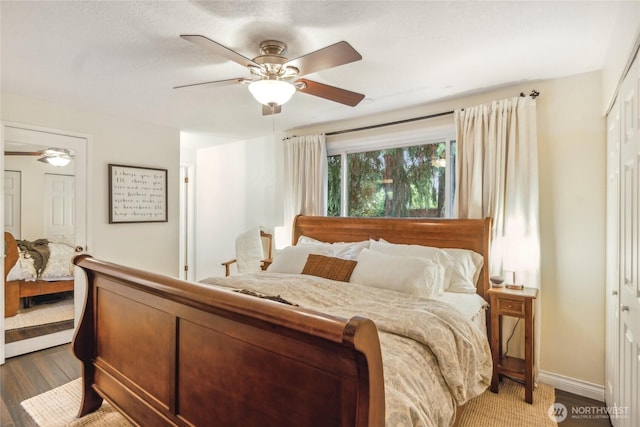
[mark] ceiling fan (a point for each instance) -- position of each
(53, 156)
(275, 78)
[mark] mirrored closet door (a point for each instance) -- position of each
(41, 222)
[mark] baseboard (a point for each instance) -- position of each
(572, 385)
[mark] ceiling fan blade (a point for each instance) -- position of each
(331, 93)
(218, 83)
(23, 153)
(267, 110)
(328, 57)
(218, 49)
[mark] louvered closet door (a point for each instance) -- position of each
(629, 250)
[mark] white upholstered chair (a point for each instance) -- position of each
(254, 250)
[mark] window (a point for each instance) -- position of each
(413, 180)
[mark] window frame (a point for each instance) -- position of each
(405, 138)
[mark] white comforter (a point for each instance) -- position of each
(434, 359)
(59, 265)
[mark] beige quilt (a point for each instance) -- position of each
(434, 359)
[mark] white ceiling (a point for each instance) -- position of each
(125, 57)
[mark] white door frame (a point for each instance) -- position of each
(187, 222)
(83, 213)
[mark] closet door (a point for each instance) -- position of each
(629, 311)
(59, 207)
(612, 319)
(12, 203)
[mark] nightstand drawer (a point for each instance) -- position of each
(510, 307)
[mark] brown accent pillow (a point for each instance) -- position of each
(329, 267)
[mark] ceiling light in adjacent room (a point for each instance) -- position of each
(56, 157)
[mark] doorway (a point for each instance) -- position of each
(52, 208)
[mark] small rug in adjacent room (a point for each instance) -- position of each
(59, 407)
(41, 314)
(507, 408)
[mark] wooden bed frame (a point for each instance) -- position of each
(16, 289)
(168, 352)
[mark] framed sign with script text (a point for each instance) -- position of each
(137, 194)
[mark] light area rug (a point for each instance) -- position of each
(41, 314)
(507, 408)
(58, 407)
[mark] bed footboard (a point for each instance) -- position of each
(168, 352)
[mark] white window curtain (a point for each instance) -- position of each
(305, 175)
(497, 176)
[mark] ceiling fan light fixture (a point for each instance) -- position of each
(272, 92)
(56, 157)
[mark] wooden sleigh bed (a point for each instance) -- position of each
(168, 352)
(15, 290)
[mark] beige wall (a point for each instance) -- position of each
(572, 162)
(151, 246)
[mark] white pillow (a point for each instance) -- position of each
(466, 270)
(293, 258)
(436, 255)
(306, 240)
(411, 275)
(344, 250)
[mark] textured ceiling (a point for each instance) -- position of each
(124, 57)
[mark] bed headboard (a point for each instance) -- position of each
(474, 234)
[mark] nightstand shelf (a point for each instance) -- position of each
(512, 367)
(514, 303)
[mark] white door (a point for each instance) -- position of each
(78, 144)
(59, 207)
(12, 203)
(629, 250)
(612, 319)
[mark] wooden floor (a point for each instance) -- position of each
(26, 376)
(14, 335)
(581, 410)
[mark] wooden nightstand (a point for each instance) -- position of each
(514, 303)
